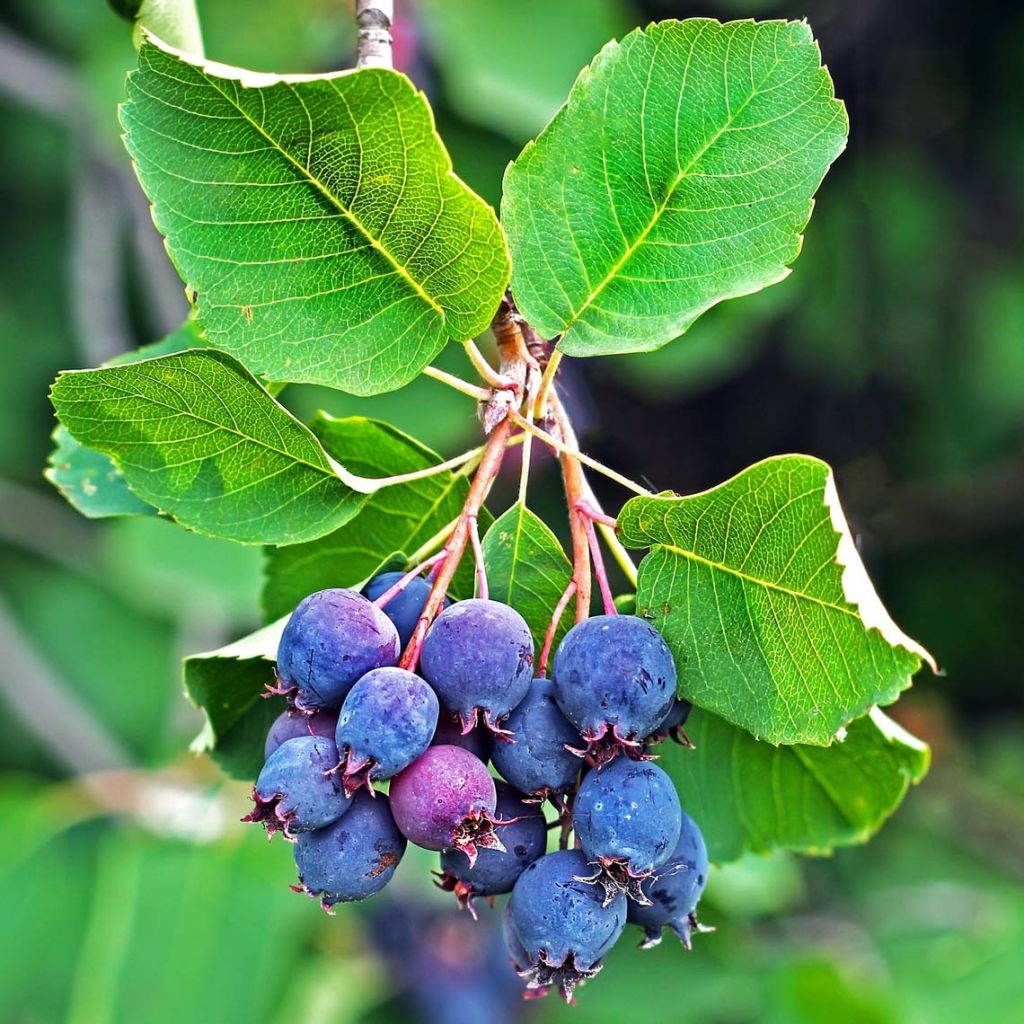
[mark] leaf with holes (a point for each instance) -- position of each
(526, 568)
(753, 797)
(198, 437)
(398, 518)
(680, 173)
(759, 591)
(318, 219)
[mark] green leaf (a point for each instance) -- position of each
(88, 479)
(527, 568)
(759, 591)
(318, 219)
(398, 518)
(680, 173)
(752, 797)
(198, 437)
(227, 685)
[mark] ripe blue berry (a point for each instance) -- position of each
(333, 638)
(291, 724)
(353, 858)
(405, 607)
(296, 792)
(674, 890)
(615, 681)
(386, 722)
(562, 927)
(627, 819)
(525, 838)
(672, 724)
(446, 800)
(538, 760)
(478, 741)
(478, 656)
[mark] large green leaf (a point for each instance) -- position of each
(318, 219)
(398, 518)
(758, 589)
(753, 797)
(199, 438)
(527, 568)
(228, 684)
(679, 173)
(88, 479)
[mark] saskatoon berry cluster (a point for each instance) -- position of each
(579, 741)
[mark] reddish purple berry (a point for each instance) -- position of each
(446, 800)
(479, 742)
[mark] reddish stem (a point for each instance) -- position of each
(478, 558)
(399, 585)
(575, 492)
(455, 546)
(594, 513)
(595, 553)
(549, 636)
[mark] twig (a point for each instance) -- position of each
(547, 383)
(549, 636)
(370, 485)
(374, 19)
(478, 558)
(575, 485)
(473, 390)
(595, 555)
(399, 585)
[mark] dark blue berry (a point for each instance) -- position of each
(525, 838)
(353, 858)
(291, 724)
(674, 890)
(333, 638)
(672, 724)
(479, 742)
(478, 656)
(538, 760)
(405, 607)
(627, 819)
(386, 722)
(562, 926)
(296, 791)
(615, 681)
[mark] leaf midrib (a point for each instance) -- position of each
(375, 243)
(669, 193)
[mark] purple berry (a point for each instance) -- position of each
(353, 858)
(495, 871)
(386, 722)
(446, 800)
(289, 725)
(405, 607)
(539, 759)
(478, 656)
(562, 927)
(479, 742)
(333, 638)
(674, 890)
(296, 791)
(615, 681)
(672, 724)
(627, 819)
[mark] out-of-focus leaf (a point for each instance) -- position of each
(680, 173)
(758, 588)
(527, 568)
(325, 234)
(198, 437)
(751, 797)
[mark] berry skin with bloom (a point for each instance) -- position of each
(478, 656)
(353, 858)
(405, 608)
(674, 890)
(539, 760)
(562, 927)
(478, 741)
(615, 681)
(627, 820)
(525, 838)
(386, 722)
(672, 725)
(446, 800)
(333, 638)
(296, 790)
(289, 725)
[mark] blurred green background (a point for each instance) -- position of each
(895, 351)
